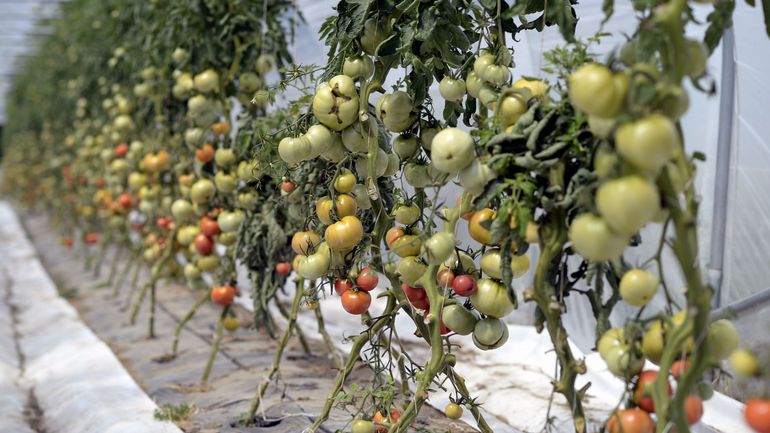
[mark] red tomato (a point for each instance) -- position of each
(356, 302)
(121, 150)
(223, 295)
(630, 421)
(414, 293)
(209, 226)
(204, 244)
(644, 384)
(757, 414)
(288, 186)
(341, 286)
(444, 329)
(67, 241)
(205, 153)
(100, 183)
(379, 417)
(445, 278)
(693, 409)
(464, 285)
(393, 234)
(283, 268)
(367, 279)
(125, 200)
(92, 238)
(679, 367)
(163, 223)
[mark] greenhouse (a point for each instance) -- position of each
(384, 216)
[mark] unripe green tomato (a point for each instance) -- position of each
(345, 181)
(453, 411)
(519, 265)
(186, 235)
(335, 104)
(182, 210)
(511, 108)
(179, 55)
(491, 264)
(452, 150)
(207, 81)
(393, 165)
(488, 97)
(410, 270)
(416, 175)
(294, 149)
(648, 143)
(194, 136)
(537, 88)
(495, 74)
(452, 89)
(696, 57)
(362, 197)
(362, 426)
(593, 238)
(336, 151)
(458, 319)
(628, 203)
(427, 134)
(407, 214)
(358, 67)
(439, 247)
(395, 111)
(265, 63)
(192, 272)
(475, 177)
(249, 82)
(405, 146)
(373, 35)
(358, 137)
(228, 238)
(473, 84)
(600, 126)
(208, 263)
(637, 287)
(230, 221)
(202, 191)
(482, 63)
(225, 182)
(492, 299)
(381, 162)
(225, 157)
(490, 333)
(320, 138)
(723, 339)
(136, 180)
(605, 161)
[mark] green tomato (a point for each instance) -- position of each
(179, 55)
(406, 245)
(320, 139)
(186, 235)
(227, 238)
(427, 134)
(362, 426)
(381, 163)
(315, 265)
(194, 137)
(230, 221)
(452, 150)
(265, 63)
(511, 108)
(637, 287)
(293, 150)
(648, 143)
(473, 84)
(225, 157)
(594, 89)
(373, 35)
(491, 264)
(407, 214)
(492, 299)
(202, 191)
(696, 56)
(745, 362)
(357, 137)
(249, 82)
(405, 146)
(395, 111)
(495, 74)
(723, 339)
(600, 126)
(411, 270)
(490, 333)
(617, 354)
(593, 238)
(336, 151)
(605, 161)
(335, 103)
(416, 175)
(439, 248)
(207, 81)
(208, 263)
(452, 89)
(461, 263)
(481, 64)
(192, 272)
(519, 265)
(458, 319)
(225, 182)
(628, 203)
(182, 210)
(475, 177)
(358, 67)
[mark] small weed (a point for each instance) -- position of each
(175, 413)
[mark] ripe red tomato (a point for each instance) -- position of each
(464, 285)
(444, 329)
(283, 268)
(341, 286)
(164, 223)
(209, 226)
(223, 295)
(204, 244)
(416, 296)
(100, 183)
(445, 278)
(92, 238)
(679, 367)
(757, 414)
(205, 153)
(693, 409)
(125, 200)
(121, 150)
(379, 417)
(288, 186)
(367, 279)
(67, 241)
(644, 384)
(630, 421)
(356, 302)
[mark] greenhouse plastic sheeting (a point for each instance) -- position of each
(79, 384)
